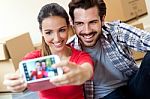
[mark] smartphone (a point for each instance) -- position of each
(38, 72)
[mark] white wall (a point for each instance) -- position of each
(19, 16)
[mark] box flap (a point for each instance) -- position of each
(4, 55)
(18, 47)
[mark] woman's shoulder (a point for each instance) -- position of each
(80, 57)
(32, 55)
(78, 53)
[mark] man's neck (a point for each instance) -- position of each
(90, 47)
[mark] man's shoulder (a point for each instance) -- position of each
(117, 24)
(74, 42)
(112, 23)
(115, 27)
(72, 39)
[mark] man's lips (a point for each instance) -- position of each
(88, 37)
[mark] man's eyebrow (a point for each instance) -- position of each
(78, 22)
(93, 20)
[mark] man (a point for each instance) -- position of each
(116, 73)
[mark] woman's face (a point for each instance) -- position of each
(55, 33)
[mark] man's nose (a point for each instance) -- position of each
(87, 29)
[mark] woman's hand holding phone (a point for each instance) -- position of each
(14, 82)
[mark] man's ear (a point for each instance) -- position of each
(103, 20)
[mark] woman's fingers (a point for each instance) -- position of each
(70, 78)
(11, 76)
(13, 79)
(17, 88)
(14, 82)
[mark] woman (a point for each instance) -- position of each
(77, 66)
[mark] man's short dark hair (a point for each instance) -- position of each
(86, 4)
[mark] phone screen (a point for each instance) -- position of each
(36, 69)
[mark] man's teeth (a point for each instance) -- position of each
(88, 36)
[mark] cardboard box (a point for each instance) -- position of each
(18, 46)
(136, 54)
(37, 46)
(6, 67)
(3, 52)
(125, 10)
(139, 25)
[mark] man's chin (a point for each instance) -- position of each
(88, 44)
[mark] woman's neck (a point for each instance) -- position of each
(65, 54)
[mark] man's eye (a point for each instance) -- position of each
(79, 24)
(93, 22)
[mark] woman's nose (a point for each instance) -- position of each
(56, 37)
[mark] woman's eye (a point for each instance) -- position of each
(48, 33)
(62, 30)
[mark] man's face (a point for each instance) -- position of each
(87, 25)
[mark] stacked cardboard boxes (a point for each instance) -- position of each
(125, 10)
(12, 50)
